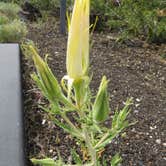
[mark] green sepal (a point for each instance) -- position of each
(81, 88)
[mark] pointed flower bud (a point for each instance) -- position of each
(77, 61)
(101, 104)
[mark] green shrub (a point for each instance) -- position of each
(131, 18)
(45, 5)
(138, 18)
(12, 1)
(3, 19)
(9, 9)
(48, 4)
(11, 28)
(12, 32)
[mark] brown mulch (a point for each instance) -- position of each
(134, 68)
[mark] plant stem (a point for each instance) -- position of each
(71, 124)
(86, 137)
(90, 147)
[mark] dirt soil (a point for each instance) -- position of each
(134, 68)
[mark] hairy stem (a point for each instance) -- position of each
(71, 125)
(90, 147)
(87, 139)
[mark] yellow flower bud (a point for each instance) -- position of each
(77, 61)
(101, 104)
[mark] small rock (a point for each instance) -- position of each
(152, 128)
(162, 78)
(158, 141)
(138, 100)
(136, 111)
(43, 122)
(137, 105)
(164, 144)
(137, 136)
(55, 158)
(70, 159)
(50, 150)
(133, 130)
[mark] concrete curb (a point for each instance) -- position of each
(11, 112)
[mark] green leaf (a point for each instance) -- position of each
(65, 128)
(119, 123)
(53, 110)
(116, 160)
(76, 157)
(111, 136)
(104, 162)
(44, 162)
(40, 85)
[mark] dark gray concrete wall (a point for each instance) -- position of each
(11, 127)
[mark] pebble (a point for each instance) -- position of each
(158, 141)
(152, 128)
(43, 122)
(137, 136)
(50, 150)
(136, 111)
(138, 100)
(162, 78)
(164, 144)
(55, 158)
(133, 130)
(70, 159)
(137, 105)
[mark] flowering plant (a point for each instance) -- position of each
(73, 95)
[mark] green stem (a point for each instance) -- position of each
(90, 147)
(87, 139)
(71, 125)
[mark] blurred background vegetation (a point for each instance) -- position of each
(129, 18)
(12, 29)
